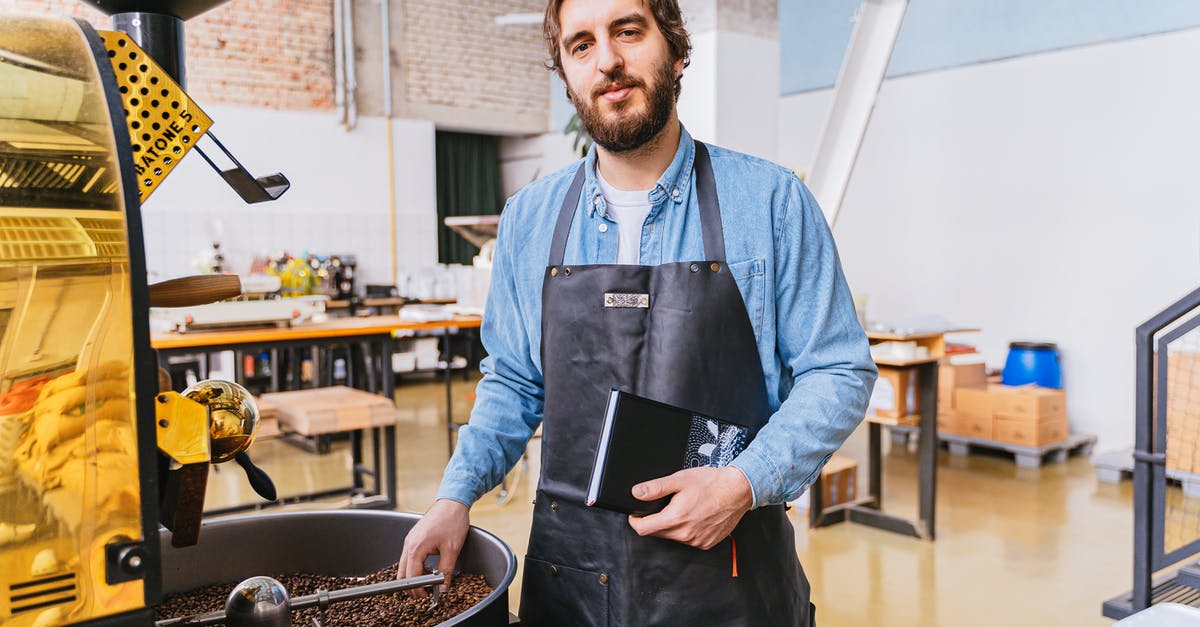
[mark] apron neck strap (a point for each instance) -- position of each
(710, 211)
(710, 207)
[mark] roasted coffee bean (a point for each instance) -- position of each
(389, 609)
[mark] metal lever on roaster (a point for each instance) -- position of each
(322, 599)
(258, 478)
(251, 189)
(209, 423)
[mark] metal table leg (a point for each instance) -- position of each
(868, 511)
(449, 399)
(928, 446)
(389, 432)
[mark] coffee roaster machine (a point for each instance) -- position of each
(103, 469)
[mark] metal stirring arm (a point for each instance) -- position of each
(251, 189)
(322, 598)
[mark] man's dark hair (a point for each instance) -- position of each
(666, 14)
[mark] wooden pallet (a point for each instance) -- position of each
(1025, 456)
(1117, 466)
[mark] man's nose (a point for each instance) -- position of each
(608, 58)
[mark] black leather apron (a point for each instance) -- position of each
(692, 346)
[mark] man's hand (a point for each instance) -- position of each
(442, 530)
(706, 506)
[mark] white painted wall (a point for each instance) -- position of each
(338, 201)
(525, 159)
(731, 92)
(1048, 196)
(698, 101)
(747, 94)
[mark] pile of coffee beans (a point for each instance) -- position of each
(397, 608)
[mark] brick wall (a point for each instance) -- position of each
(455, 56)
(452, 64)
(235, 56)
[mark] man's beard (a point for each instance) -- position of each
(622, 131)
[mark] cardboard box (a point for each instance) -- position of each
(902, 382)
(973, 402)
(1023, 432)
(954, 376)
(976, 425)
(331, 409)
(838, 479)
(948, 421)
(1028, 402)
(1183, 411)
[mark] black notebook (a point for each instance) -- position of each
(644, 439)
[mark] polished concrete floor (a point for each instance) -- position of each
(1015, 546)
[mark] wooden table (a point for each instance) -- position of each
(868, 510)
(935, 341)
(376, 331)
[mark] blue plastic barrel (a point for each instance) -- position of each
(1033, 362)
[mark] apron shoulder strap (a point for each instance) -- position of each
(562, 228)
(710, 207)
(710, 211)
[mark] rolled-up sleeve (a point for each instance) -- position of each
(821, 344)
(509, 397)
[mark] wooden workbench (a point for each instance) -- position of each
(333, 328)
(376, 331)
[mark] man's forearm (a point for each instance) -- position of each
(504, 418)
(823, 409)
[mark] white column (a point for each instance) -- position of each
(731, 89)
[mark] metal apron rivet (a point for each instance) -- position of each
(604, 579)
(554, 570)
(695, 267)
(716, 267)
(553, 271)
(567, 271)
(553, 506)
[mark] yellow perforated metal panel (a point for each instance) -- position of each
(163, 121)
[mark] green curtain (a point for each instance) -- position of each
(468, 184)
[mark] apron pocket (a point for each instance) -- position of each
(750, 276)
(554, 594)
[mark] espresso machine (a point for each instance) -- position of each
(102, 468)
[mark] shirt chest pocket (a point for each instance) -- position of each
(750, 276)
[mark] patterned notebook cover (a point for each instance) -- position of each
(712, 443)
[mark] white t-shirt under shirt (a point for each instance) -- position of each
(629, 211)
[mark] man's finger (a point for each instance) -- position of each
(446, 561)
(413, 566)
(657, 488)
(653, 524)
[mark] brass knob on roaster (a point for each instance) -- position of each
(232, 416)
(232, 423)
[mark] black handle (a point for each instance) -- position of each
(259, 480)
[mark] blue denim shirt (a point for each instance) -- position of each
(815, 356)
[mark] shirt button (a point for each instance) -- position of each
(675, 193)
(603, 228)
(596, 201)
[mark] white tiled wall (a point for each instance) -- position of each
(338, 202)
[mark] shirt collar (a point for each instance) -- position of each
(673, 183)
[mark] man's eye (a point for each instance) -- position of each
(581, 48)
(629, 32)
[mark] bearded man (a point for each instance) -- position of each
(741, 312)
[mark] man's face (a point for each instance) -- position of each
(619, 70)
